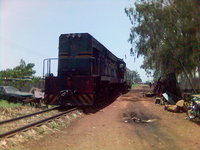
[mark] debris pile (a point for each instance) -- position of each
(132, 117)
(179, 107)
(149, 94)
(168, 93)
(38, 93)
(168, 84)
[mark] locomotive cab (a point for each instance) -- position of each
(75, 55)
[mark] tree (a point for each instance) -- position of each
(167, 34)
(15, 76)
(24, 70)
(19, 71)
(136, 77)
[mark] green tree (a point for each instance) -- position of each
(136, 77)
(14, 77)
(24, 69)
(167, 34)
(19, 71)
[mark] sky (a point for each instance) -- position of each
(29, 29)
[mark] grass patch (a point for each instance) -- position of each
(30, 137)
(135, 85)
(5, 103)
(42, 131)
(54, 125)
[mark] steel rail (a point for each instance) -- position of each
(29, 115)
(12, 132)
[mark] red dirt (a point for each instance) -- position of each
(112, 129)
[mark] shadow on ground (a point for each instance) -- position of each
(102, 103)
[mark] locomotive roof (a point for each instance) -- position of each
(95, 43)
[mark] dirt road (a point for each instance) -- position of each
(132, 122)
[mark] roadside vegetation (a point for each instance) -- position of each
(135, 85)
(5, 103)
(20, 76)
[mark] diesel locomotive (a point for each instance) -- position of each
(86, 71)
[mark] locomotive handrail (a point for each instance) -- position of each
(48, 60)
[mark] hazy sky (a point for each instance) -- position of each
(30, 29)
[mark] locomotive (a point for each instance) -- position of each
(86, 71)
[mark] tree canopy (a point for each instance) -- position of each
(167, 34)
(136, 77)
(16, 76)
(20, 71)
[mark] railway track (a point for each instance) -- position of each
(33, 124)
(29, 115)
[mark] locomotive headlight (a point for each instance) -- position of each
(79, 35)
(73, 35)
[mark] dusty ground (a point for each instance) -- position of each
(112, 129)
